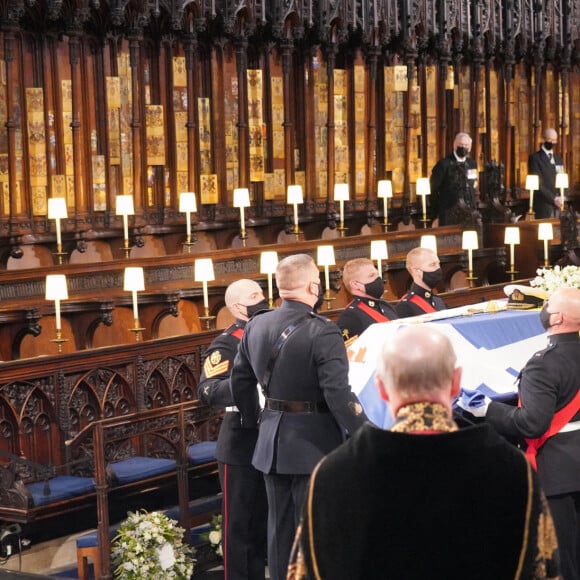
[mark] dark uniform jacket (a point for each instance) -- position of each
(389, 505)
(548, 382)
(450, 185)
(419, 301)
(539, 164)
(360, 314)
(235, 446)
(311, 366)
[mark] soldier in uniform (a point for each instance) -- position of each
(424, 267)
(547, 420)
(362, 280)
(245, 505)
(299, 359)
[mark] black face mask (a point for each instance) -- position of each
(251, 310)
(433, 278)
(320, 299)
(461, 151)
(375, 288)
(548, 145)
(545, 317)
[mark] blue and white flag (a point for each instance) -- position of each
(491, 348)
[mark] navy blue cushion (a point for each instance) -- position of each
(202, 452)
(137, 468)
(195, 535)
(206, 504)
(91, 539)
(61, 487)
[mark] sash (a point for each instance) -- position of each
(421, 303)
(237, 333)
(560, 419)
(376, 316)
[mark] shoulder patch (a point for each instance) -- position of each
(214, 365)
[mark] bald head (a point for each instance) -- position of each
(241, 294)
(420, 260)
(418, 364)
(297, 278)
(564, 308)
(551, 135)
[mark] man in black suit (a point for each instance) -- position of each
(245, 507)
(545, 164)
(453, 181)
(299, 359)
(548, 419)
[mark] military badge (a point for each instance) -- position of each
(214, 365)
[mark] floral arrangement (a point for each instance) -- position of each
(215, 534)
(150, 545)
(550, 279)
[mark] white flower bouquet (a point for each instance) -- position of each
(550, 279)
(150, 545)
(215, 534)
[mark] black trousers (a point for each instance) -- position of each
(245, 513)
(286, 496)
(565, 510)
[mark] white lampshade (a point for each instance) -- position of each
(379, 250)
(325, 256)
(57, 208)
(294, 194)
(429, 241)
(340, 193)
(124, 205)
(187, 202)
(561, 180)
(268, 262)
(512, 235)
(545, 231)
(241, 197)
(532, 182)
(469, 240)
(203, 270)
(56, 288)
(384, 188)
(134, 279)
(423, 187)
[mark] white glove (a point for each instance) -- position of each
(473, 402)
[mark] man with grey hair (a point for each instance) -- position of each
(299, 360)
(453, 181)
(423, 500)
(545, 163)
(547, 420)
(245, 508)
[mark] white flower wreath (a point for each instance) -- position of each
(150, 545)
(550, 279)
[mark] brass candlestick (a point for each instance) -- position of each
(59, 340)
(137, 329)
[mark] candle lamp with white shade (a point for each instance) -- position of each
(384, 192)
(125, 208)
(423, 190)
(56, 289)
(56, 211)
(470, 242)
(268, 264)
(562, 183)
(242, 200)
(325, 258)
(532, 184)
(545, 234)
(134, 281)
(379, 252)
(341, 195)
(188, 205)
(512, 238)
(429, 241)
(295, 197)
(203, 272)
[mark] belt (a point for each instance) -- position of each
(297, 406)
(232, 410)
(573, 426)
